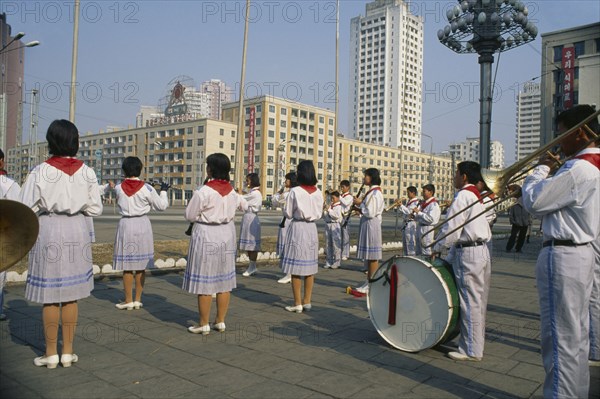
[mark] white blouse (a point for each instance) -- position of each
(48, 189)
(478, 229)
(209, 207)
(568, 202)
(9, 189)
(141, 202)
(334, 213)
(373, 204)
(301, 205)
(254, 199)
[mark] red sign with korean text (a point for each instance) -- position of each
(251, 140)
(568, 66)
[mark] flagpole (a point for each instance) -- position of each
(239, 152)
(337, 96)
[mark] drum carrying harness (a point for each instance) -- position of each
(391, 276)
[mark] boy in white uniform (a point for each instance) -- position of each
(333, 232)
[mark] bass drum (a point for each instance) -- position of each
(414, 304)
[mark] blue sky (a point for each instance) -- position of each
(130, 50)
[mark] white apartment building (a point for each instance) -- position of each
(469, 151)
(386, 75)
(217, 93)
(528, 120)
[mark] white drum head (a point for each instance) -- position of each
(423, 305)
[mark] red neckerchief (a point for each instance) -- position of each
(334, 205)
(412, 200)
(474, 190)
(593, 158)
(223, 187)
(67, 165)
(426, 204)
(309, 189)
(131, 186)
(3, 172)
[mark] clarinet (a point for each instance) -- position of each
(345, 222)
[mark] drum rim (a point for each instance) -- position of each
(448, 300)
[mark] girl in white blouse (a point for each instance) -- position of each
(211, 255)
(61, 191)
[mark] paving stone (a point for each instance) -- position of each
(500, 382)
(92, 389)
(334, 384)
(127, 373)
(528, 372)
(231, 379)
(437, 388)
(276, 390)
(170, 385)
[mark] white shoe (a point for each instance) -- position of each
(67, 359)
(594, 363)
(137, 305)
(204, 330)
(345, 258)
(285, 279)
(297, 309)
(306, 307)
(49, 361)
(249, 271)
(335, 266)
(220, 327)
(125, 306)
(462, 357)
(327, 266)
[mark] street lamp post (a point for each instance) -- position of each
(484, 27)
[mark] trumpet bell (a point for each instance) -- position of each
(19, 229)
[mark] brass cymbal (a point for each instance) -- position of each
(19, 229)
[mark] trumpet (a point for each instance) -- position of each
(396, 203)
(500, 181)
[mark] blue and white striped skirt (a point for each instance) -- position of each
(369, 239)
(134, 244)
(250, 232)
(60, 262)
(211, 259)
(301, 250)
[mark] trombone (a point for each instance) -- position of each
(499, 181)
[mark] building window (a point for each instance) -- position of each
(271, 121)
(558, 53)
(200, 142)
(579, 48)
(222, 132)
(200, 129)
(271, 108)
(283, 111)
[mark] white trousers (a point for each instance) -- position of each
(409, 239)
(472, 269)
(564, 281)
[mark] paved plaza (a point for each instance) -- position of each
(266, 352)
